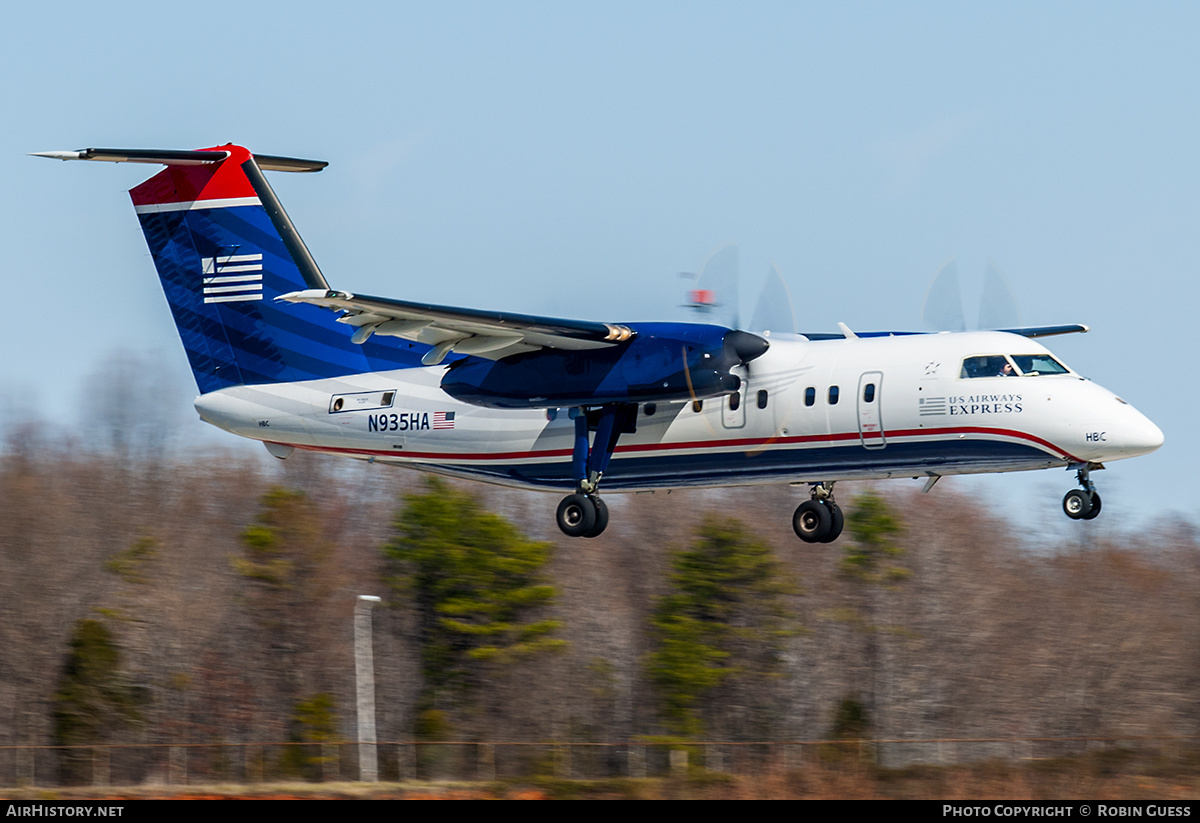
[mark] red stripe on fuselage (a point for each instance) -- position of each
(737, 443)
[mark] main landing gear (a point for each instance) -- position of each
(1083, 503)
(584, 514)
(820, 519)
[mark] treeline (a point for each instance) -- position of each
(152, 598)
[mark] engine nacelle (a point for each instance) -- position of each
(663, 361)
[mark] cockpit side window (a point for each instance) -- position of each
(1038, 364)
(987, 365)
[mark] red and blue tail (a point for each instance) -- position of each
(225, 249)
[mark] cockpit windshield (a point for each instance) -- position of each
(1038, 364)
(989, 365)
(1014, 365)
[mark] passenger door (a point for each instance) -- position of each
(870, 421)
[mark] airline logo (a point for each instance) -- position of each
(234, 278)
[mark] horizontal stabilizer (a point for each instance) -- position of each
(173, 157)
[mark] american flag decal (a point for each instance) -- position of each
(233, 278)
(927, 406)
(443, 420)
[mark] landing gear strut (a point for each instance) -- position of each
(820, 519)
(1082, 503)
(584, 514)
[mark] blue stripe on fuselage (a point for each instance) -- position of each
(713, 467)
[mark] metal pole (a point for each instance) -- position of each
(364, 671)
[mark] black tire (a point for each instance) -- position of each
(837, 521)
(812, 521)
(601, 518)
(576, 515)
(1076, 504)
(1095, 510)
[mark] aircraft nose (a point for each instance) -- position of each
(1139, 436)
(1147, 437)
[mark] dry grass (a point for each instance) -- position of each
(1120, 775)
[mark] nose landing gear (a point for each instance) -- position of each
(820, 519)
(582, 515)
(1083, 503)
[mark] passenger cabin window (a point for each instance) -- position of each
(650, 409)
(833, 395)
(762, 399)
(697, 406)
(869, 393)
(735, 400)
(810, 396)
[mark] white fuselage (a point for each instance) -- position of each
(903, 408)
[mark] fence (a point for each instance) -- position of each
(198, 763)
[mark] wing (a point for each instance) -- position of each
(1047, 331)
(488, 334)
(1024, 331)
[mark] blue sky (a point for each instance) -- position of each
(570, 158)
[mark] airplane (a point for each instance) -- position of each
(558, 404)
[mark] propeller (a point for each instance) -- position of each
(774, 312)
(943, 306)
(715, 295)
(942, 309)
(997, 305)
(714, 298)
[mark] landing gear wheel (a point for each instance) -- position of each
(601, 518)
(812, 521)
(1077, 504)
(836, 522)
(1095, 510)
(576, 515)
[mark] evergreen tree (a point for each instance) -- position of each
(285, 547)
(873, 528)
(93, 699)
(313, 721)
(287, 561)
(724, 620)
(476, 585)
(288, 573)
(866, 561)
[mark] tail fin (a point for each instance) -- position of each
(225, 249)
